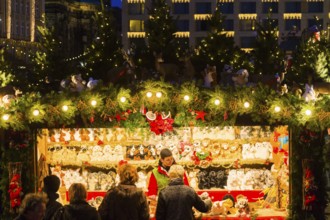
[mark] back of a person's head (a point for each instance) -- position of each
(51, 183)
(128, 174)
(77, 192)
(176, 171)
(31, 202)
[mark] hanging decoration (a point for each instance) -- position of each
(15, 187)
(309, 187)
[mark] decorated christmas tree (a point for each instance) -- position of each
(160, 30)
(49, 63)
(103, 56)
(310, 61)
(217, 48)
(267, 56)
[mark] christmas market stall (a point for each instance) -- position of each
(245, 163)
(257, 153)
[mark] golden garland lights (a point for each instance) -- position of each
(62, 109)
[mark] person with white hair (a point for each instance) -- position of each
(175, 202)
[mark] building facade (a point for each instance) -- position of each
(74, 22)
(19, 18)
(290, 16)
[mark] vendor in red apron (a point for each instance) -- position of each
(159, 178)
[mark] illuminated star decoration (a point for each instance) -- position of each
(200, 115)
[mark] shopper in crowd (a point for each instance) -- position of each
(175, 202)
(33, 207)
(78, 207)
(125, 201)
(51, 185)
(159, 178)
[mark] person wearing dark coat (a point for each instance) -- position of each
(51, 186)
(33, 207)
(78, 207)
(175, 202)
(125, 201)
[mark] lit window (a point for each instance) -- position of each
(136, 25)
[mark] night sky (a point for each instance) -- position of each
(116, 3)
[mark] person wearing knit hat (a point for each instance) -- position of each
(159, 177)
(51, 185)
(175, 202)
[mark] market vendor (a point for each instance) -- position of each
(159, 177)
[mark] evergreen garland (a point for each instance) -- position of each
(110, 101)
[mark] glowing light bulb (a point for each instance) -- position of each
(308, 112)
(93, 102)
(5, 117)
(36, 112)
(246, 104)
(186, 97)
(217, 102)
(149, 94)
(277, 109)
(123, 99)
(158, 94)
(65, 108)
